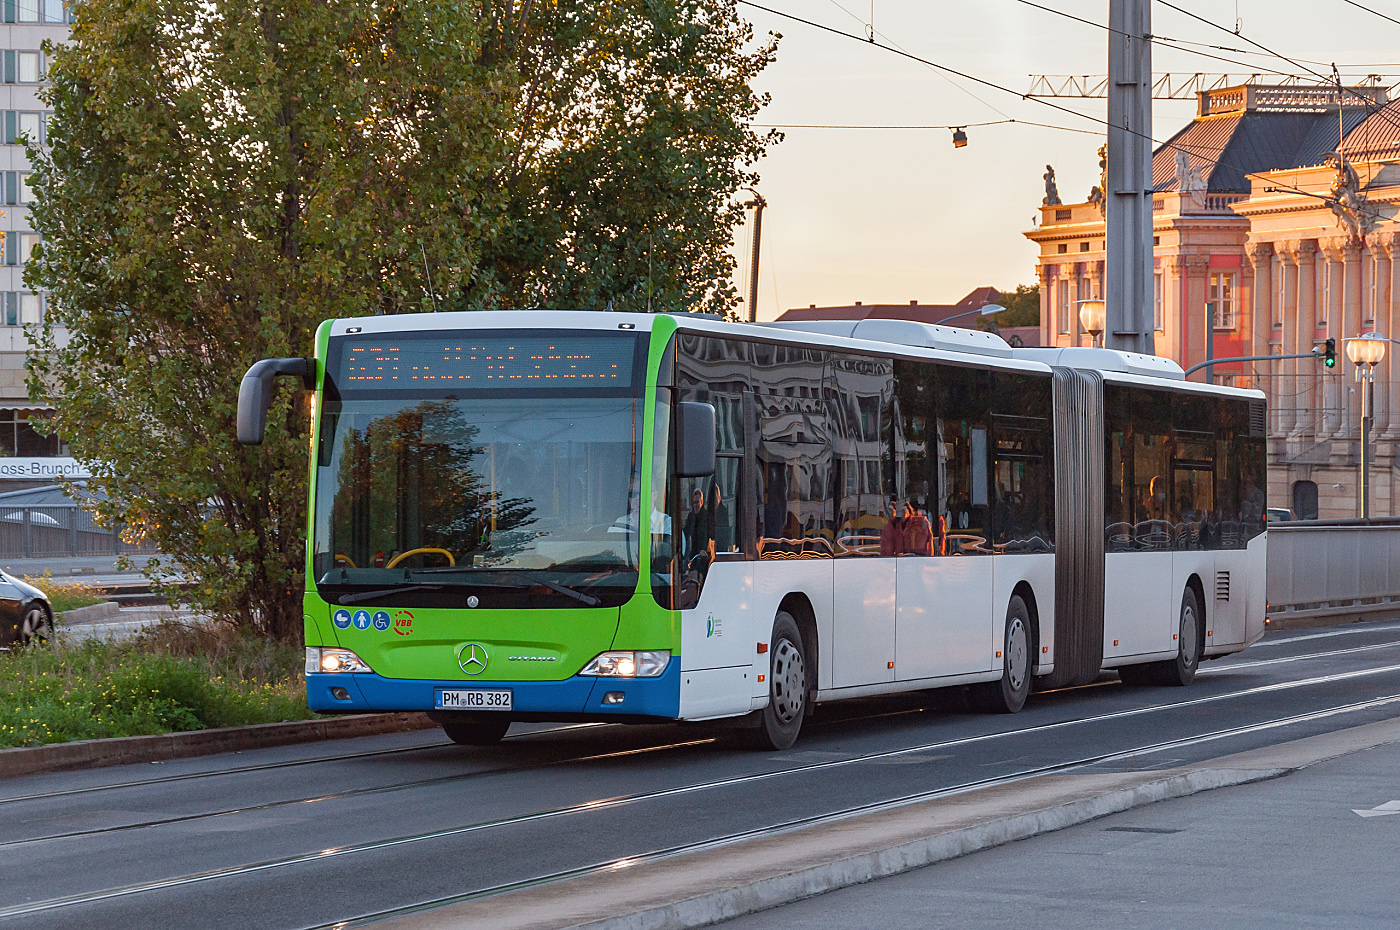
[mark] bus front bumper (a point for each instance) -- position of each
(572, 697)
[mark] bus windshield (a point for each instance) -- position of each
(526, 496)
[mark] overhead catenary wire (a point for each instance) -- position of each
(978, 80)
(998, 122)
(1362, 6)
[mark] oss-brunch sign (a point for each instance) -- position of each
(42, 469)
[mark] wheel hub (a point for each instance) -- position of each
(789, 682)
(1017, 654)
(1188, 636)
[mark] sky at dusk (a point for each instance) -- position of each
(889, 216)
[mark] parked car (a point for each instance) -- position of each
(25, 613)
(1278, 515)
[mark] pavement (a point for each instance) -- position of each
(1317, 849)
(805, 865)
(408, 826)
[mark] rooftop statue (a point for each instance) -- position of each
(1187, 177)
(1354, 212)
(1052, 192)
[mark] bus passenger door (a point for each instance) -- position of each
(863, 638)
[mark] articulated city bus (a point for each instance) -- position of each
(624, 517)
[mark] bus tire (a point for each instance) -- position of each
(1180, 671)
(1008, 694)
(474, 730)
(781, 721)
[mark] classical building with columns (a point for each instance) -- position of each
(1268, 242)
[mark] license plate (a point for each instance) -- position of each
(474, 699)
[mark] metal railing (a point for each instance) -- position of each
(1339, 569)
(50, 532)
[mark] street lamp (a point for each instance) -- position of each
(1366, 352)
(984, 310)
(1091, 317)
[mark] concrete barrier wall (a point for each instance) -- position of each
(1341, 571)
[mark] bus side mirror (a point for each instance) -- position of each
(255, 393)
(695, 440)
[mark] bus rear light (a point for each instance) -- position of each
(642, 664)
(333, 661)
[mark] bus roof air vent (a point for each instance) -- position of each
(907, 333)
(1132, 363)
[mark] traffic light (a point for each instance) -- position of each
(1329, 354)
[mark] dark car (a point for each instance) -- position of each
(25, 614)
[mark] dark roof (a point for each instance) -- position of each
(919, 313)
(1378, 136)
(1227, 148)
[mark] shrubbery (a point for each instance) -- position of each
(174, 677)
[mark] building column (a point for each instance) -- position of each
(1351, 326)
(1330, 400)
(1304, 317)
(1388, 323)
(1261, 290)
(1194, 331)
(1045, 275)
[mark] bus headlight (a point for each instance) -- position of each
(325, 660)
(647, 664)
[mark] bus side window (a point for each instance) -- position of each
(860, 390)
(963, 463)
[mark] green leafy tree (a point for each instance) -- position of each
(219, 179)
(1022, 307)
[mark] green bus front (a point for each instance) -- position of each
(478, 540)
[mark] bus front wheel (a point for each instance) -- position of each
(474, 730)
(780, 722)
(1008, 694)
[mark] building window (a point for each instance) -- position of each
(1062, 248)
(1220, 299)
(30, 68)
(1062, 304)
(27, 242)
(18, 436)
(18, 308)
(1083, 246)
(1305, 500)
(1324, 302)
(1157, 302)
(1372, 270)
(52, 12)
(1062, 215)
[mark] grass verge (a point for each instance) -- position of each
(65, 595)
(171, 678)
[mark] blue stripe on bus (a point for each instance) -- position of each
(652, 697)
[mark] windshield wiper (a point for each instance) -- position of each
(588, 599)
(385, 592)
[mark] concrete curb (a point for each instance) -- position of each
(762, 894)
(705, 888)
(90, 613)
(95, 753)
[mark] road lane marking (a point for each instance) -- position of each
(1387, 809)
(21, 910)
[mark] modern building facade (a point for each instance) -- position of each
(26, 457)
(1276, 226)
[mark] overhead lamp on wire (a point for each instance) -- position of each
(959, 137)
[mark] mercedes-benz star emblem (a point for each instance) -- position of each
(472, 601)
(473, 658)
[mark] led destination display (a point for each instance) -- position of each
(437, 360)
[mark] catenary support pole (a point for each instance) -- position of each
(758, 203)
(1128, 197)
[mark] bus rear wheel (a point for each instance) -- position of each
(1189, 638)
(781, 721)
(473, 730)
(1008, 694)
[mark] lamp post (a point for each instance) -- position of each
(1366, 352)
(984, 310)
(1091, 317)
